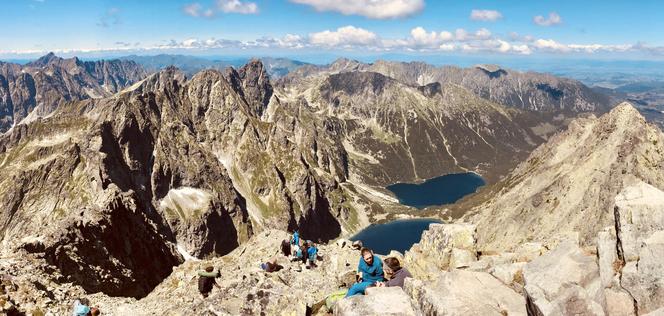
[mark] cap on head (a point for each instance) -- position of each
(209, 269)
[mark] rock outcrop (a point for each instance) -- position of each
(441, 248)
(461, 292)
(632, 271)
(377, 301)
(565, 281)
(188, 165)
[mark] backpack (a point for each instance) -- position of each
(205, 284)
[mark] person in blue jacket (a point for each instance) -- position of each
(370, 270)
(296, 238)
(312, 252)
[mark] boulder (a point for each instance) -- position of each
(608, 256)
(442, 246)
(619, 302)
(639, 214)
(564, 281)
(462, 292)
(377, 301)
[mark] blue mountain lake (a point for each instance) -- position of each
(437, 191)
(397, 235)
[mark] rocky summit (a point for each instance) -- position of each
(122, 197)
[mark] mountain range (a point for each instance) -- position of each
(109, 166)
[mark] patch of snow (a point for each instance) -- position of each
(186, 201)
(185, 254)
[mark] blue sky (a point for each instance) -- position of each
(585, 28)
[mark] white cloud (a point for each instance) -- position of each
(485, 15)
(350, 37)
(346, 36)
(553, 19)
(549, 45)
(373, 9)
(420, 37)
(516, 37)
(460, 35)
(483, 34)
(237, 6)
(196, 10)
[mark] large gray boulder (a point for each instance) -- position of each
(462, 292)
(442, 247)
(564, 281)
(377, 301)
(640, 221)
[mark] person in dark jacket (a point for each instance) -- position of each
(305, 253)
(398, 273)
(370, 271)
(286, 247)
(206, 282)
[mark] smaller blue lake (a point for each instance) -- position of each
(397, 235)
(437, 191)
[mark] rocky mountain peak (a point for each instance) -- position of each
(572, 177)
(256, 85)
(625, 111)
(345, 64)
(166, 78)
(45, 60)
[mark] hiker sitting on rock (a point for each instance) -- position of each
(82, 309)
(312, 253)
(271, 265)
(398, 273)
(370, 271)
(206, 280)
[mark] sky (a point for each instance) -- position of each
(516, 29)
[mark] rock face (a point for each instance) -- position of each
(442, 247)
(640, 246)
(564, 281)
(186, 165)
(462, 292)
(39, 87)
(573, 177)
(377, 301)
